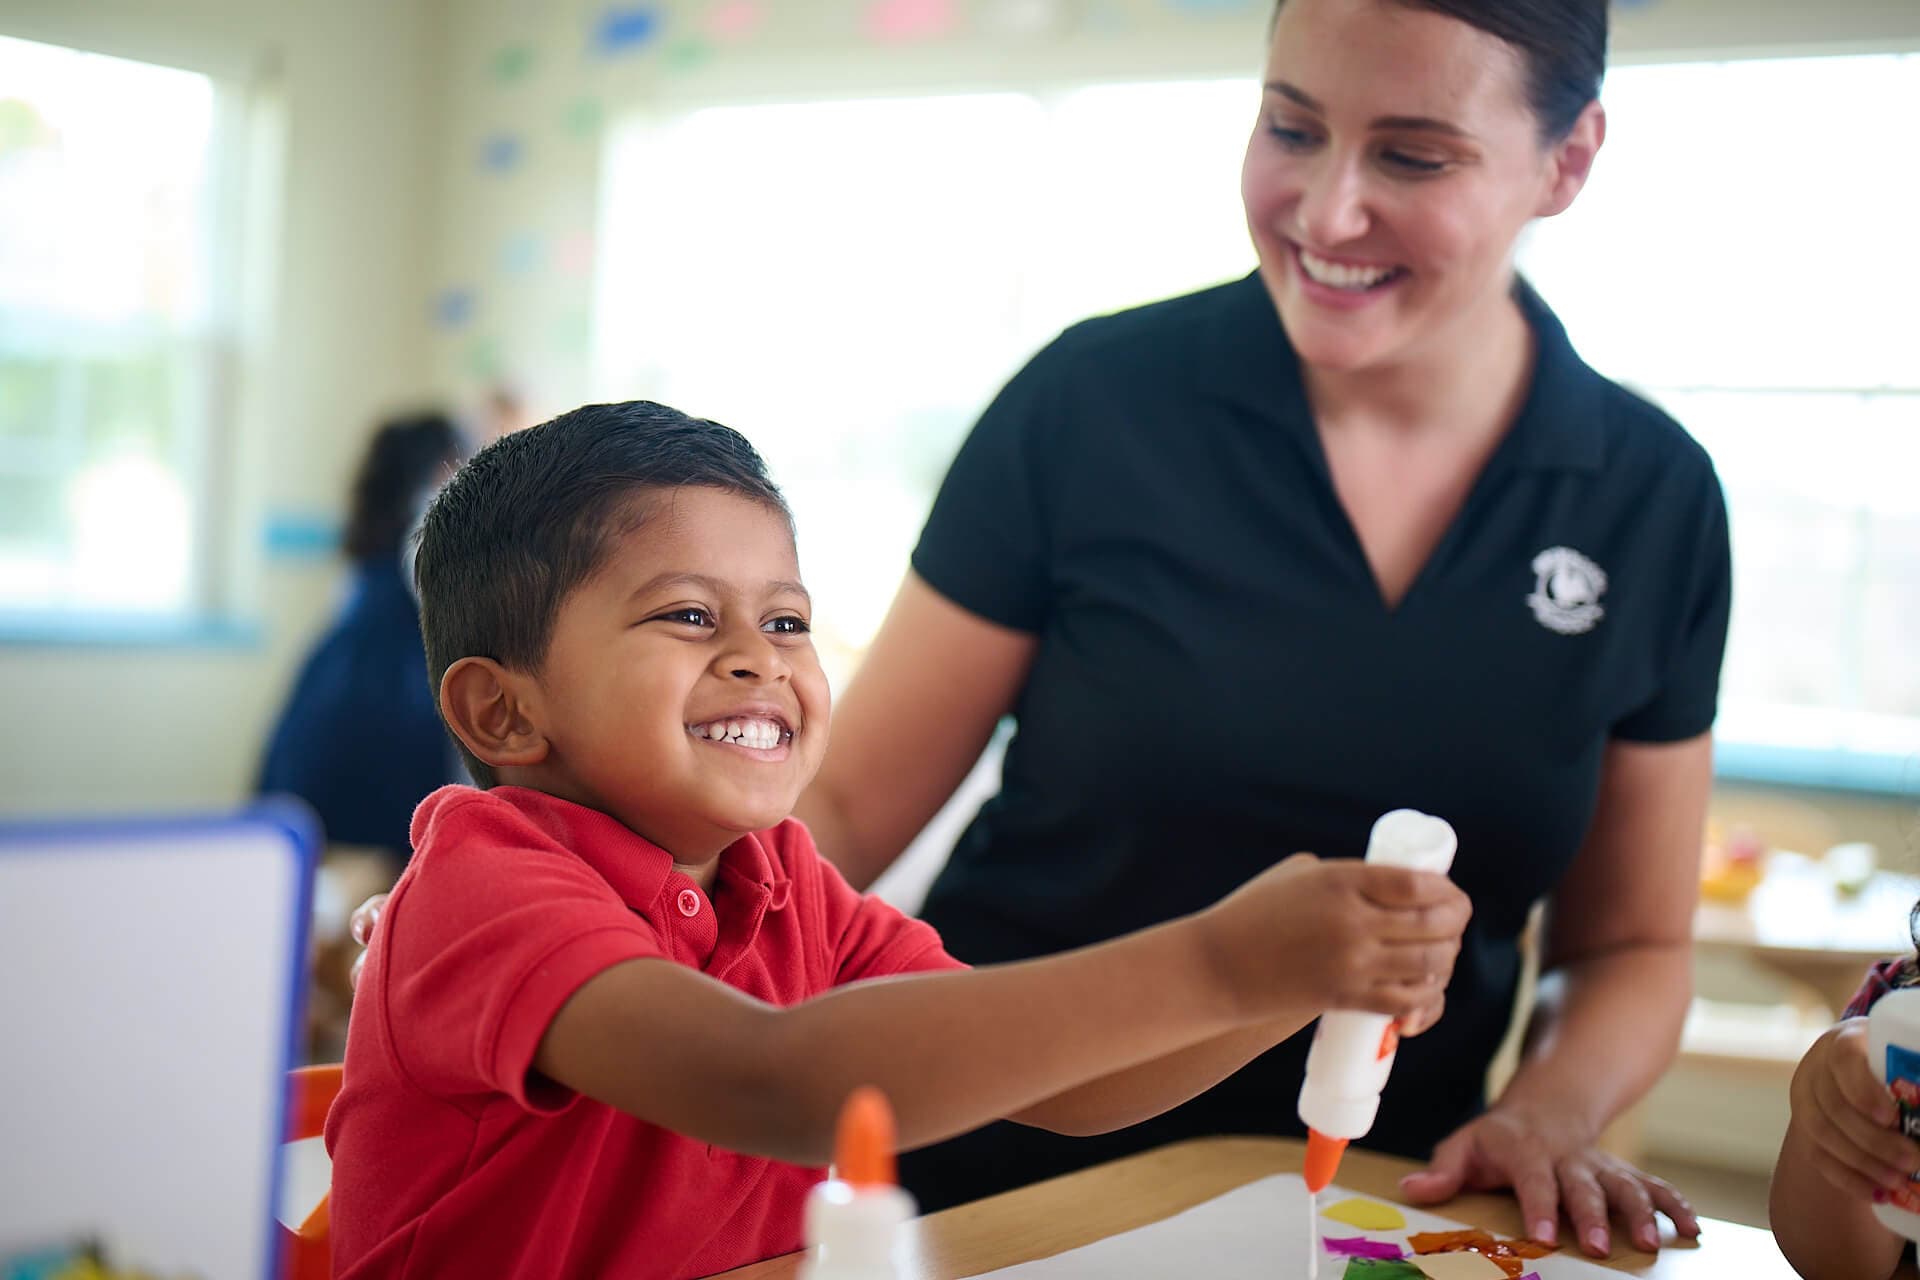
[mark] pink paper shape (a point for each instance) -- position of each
(1361, 1247)
(736, 19)
(897, 21)
(576, 253)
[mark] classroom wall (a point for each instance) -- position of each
(334, 337)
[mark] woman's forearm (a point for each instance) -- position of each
(836, 837)
(1605, 1028)
(909, 727)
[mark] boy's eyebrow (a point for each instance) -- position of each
(1425, 124)
(715, 586)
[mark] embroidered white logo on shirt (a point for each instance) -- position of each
(1566, 591)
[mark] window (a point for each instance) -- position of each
(1744, 257)
(115, 324)
(849, 282)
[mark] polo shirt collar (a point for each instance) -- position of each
(638, 869)
(1560, 426)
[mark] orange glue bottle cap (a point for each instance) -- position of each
(1323, 1160)
(854, 1219)
(864, 1140)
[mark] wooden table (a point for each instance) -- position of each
(1079, 1208)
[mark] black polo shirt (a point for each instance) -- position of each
(1219, 683)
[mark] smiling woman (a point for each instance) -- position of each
(1252, 566)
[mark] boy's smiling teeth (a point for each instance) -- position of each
(1340, 276)
(746, 731)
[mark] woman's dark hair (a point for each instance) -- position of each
(1563, 42)
(533, 515)
(406, 455)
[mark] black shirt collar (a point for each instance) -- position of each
(1561, 423)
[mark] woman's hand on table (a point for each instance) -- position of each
(1549, 1159)
(361, 925)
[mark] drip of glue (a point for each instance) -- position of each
(853, 1219)
(1352, 1052)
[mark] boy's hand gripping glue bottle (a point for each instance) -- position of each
(1893, 1051)
(1352, 1052)
(853, 1219)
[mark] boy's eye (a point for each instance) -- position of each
(789, 625)
(691, 617)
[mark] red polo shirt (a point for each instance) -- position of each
(452, 1158)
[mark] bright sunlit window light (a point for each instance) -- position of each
(111, 322)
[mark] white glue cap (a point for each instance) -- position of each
(1409, 838)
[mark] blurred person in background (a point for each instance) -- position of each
(359, 738)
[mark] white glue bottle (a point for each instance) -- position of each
(1893, 1051)
(1352, 1052)
(854, 1218)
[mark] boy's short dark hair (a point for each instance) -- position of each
(529, 519)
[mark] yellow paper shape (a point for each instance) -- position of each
(1458, 1266)
(1368, 1215)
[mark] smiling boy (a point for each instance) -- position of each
(617, 997)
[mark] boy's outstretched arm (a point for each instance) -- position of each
(1137, 1093)
(1840, 1146)
(955, 1050)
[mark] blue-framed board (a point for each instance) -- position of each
(152, 988)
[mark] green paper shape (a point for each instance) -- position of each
(688, 54)
(1380, 1269)
(583, 117)
(572, 332)
(21, 126)
(512, 63)
(483, 358)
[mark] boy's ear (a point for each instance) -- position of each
(486, 707)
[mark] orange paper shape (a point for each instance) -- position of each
(1509, 1255)
(1449, 1241)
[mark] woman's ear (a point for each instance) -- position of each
(1571, 160)
(486, 707)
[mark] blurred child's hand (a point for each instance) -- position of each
(1342, 934)
(1848, 1116)
(361, 925)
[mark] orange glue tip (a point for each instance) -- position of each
(1323, 1160)
(863, 1143)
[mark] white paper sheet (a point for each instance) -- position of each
(1256, 1232)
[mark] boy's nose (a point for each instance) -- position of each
(753, 659)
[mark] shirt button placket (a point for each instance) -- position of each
(689, 903)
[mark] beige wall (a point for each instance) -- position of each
(335, 336)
